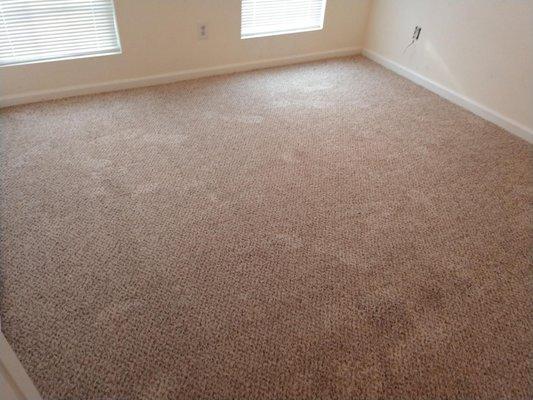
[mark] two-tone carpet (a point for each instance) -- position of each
(320, 231)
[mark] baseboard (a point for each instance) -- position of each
(109, 86)
(484, 112)
(14, 381)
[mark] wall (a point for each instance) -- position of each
(160, 37)
(480, 49)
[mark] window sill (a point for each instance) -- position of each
(288, 32)
(66, 58)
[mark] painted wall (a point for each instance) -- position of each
(481, 49)
(160, 36)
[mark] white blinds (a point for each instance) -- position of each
(275, 17)
(39, 30)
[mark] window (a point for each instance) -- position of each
(278, 17)
(45, 30)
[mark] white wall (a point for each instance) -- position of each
(160, 37)
(481, 49)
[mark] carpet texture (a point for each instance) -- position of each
(327, 230)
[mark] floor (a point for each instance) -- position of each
(326, 230)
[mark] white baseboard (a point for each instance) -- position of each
(14, 381)
(109, 86)
(484, 112)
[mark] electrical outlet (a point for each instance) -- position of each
(202, 30)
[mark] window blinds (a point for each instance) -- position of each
(276, 17)
(41, 30)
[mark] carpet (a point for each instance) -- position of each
(319, 231)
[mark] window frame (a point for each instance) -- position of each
(95, 54)
(290, 31)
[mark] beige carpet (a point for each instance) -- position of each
(322, 231)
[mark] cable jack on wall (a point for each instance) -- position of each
(416, 36)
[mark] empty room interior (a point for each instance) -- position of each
(266, 199)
